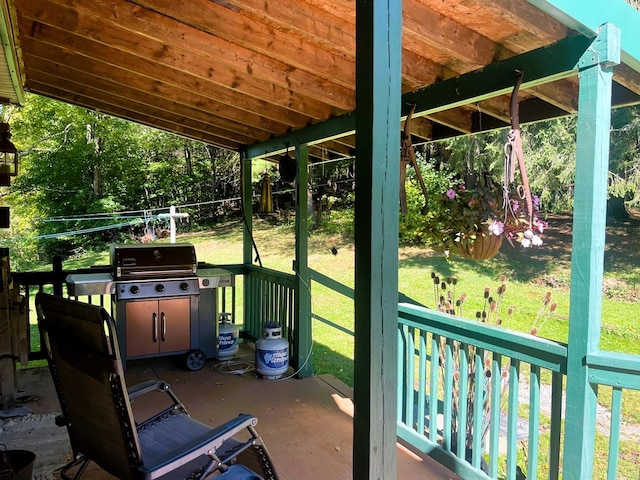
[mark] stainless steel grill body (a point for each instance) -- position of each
(163, 304)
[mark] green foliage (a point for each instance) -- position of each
(550, 152)
(80, 170)
(624, 175)
(418, 229)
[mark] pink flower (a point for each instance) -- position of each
(536, 202)
(451, 193)
(515, 205)
(540, 225)
(496, 227)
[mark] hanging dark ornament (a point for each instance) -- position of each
(287, 167)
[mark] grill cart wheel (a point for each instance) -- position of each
(195, 360)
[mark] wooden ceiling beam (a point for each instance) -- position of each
(109, 109)
(457, 119)
(241, 67)
(421, 127)
(167, 55)
(516, 24)
(306, 21)
(627, 77)
(168, 75)
(347, 140)
(560, 94)
(138, 102)
(445, 37)
(336, 148)
(222, 19)
(474, 48)
(121, 77)
(419, 70)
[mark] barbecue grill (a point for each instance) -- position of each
(163, 303)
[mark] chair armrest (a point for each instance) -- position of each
(157, 386)
(146, 387)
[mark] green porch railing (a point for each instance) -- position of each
(489, 410)
(621, 372)
(463, 389)
(269, 297)
(336, 287)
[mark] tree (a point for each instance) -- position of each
(94, 171)
(624, 166)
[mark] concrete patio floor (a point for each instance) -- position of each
(306, 424)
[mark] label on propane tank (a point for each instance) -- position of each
(274, 358)
(227, 340)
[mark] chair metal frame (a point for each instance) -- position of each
(85, 364)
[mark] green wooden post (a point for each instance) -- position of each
(378, 109)
(302, 315)
(589, 220)
(247, 209)
(250, 320)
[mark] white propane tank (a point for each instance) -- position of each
(272, 353)
(227, 337)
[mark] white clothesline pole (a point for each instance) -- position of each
(172, 220)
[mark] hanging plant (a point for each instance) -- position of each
(476, 212)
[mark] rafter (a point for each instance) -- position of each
(143, 83)
(141, 103)
(224, 21)
(110, 109)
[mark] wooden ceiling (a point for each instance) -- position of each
(234, 73)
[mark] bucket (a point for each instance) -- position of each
(227, 337)
(16, 464)
(272, 353)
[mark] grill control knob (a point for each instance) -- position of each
(160, 288)
(184, 286)
(205, 282)
(134, 289)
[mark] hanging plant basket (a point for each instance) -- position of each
(484, 247)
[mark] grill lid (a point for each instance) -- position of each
(165, 260)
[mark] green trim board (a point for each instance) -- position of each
(586, 17)
(546, 64)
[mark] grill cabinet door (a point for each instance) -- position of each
(157, 326)
(174, 325)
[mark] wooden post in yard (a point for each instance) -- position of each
(7, 364)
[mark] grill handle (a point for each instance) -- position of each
(163, 323)
(155, 327)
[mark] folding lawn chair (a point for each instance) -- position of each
(84, 360)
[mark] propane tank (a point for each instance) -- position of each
(227, 337)
(272, 352)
